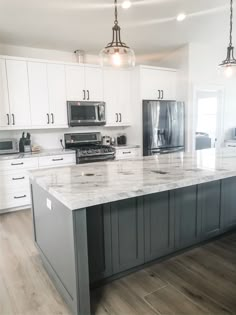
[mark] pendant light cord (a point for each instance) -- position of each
(116, 13)
(231, 23)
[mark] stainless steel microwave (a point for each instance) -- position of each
(9, 146)
(86, 113)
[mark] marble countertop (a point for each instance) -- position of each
(86, 185)
(42, 153)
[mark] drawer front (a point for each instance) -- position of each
(57, 160)
(126, 153)
(14, 180)
(15, 199)
(18, 164)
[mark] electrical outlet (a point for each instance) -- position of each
(49, 204)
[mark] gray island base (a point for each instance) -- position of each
(176, 201)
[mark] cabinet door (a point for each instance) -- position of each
(155, 80)
(159, 226)
(38, 88)
(228, 203)
(127, 234)
(4, 101)
(209, 203)
(18, 87)
(99, 242)
(57, 94)
(94, 83)
(187, 217)
(75, 83)
(110, 96)
(124, 96)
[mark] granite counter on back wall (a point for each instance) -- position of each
(83, 186)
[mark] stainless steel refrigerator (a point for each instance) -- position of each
(163, 127)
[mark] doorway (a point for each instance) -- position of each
(209, 119)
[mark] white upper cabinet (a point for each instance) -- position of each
(75, 83)
(18, 88)
(94, 83)
(57, 94)
(84, 83)
(47, 88)
(39, 98)
(158, 84)
(4, 101)
(117, 95)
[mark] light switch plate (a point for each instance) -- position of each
(49, 204)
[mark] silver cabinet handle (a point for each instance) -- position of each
(8, 119)
(55, 160)
(88, 95)
(20, 197)
(162, 94)
(117, 117)
(52, 116)
(13, 119)
(18, 178)
(127, 152)
(48, 122)
(84, 95)
(15, 164)
(120, 117)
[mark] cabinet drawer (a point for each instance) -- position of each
(18, 164)
(57, 160)
(15, 199)
(14, 180)
(126, 153)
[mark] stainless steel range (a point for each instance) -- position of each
(89, 147)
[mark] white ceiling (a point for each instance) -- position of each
(149, 26)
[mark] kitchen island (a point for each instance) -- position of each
(96, 222)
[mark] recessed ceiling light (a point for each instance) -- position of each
(181, 17)
(126, 4)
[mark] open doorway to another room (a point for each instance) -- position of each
(208, 131)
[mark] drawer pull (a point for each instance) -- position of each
(127, 152)
(15, 164)
(20, 197)
(55, 160)
(18, 178)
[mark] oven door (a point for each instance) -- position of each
(86, 114)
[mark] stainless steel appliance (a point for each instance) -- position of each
(86, 113)
(9, 146)
(88, 147)
(163, 127)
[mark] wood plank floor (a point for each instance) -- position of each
(201, 281)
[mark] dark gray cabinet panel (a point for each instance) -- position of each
(187, 217)
(99, 242)
(159, 225)
(228, 203)
(127, 234)
(209, 205)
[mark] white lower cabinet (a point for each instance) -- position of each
(14, 184)
(126, 153)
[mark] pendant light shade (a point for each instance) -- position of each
(230, 62)
(117, 53)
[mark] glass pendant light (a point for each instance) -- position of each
(229, 64)
(117, 53)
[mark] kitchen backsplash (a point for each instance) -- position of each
(50, 139)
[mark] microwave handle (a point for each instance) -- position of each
(100, 111)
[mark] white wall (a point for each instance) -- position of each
(56, 55)
(50, 139)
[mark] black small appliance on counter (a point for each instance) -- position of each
(25, 143)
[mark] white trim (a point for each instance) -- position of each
(220, 115)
